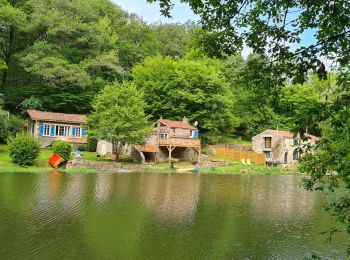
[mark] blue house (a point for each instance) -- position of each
(49, 126)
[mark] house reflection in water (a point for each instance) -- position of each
(173, 198)
(103, 187)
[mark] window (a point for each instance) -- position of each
(296, 155)
(268, 156)
(47, 130)
(191, 133)
(267, 142)
(62, 130)
(296, 141)
(78, 132)
(174, 130)
(163, 135)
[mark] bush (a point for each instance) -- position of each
(124, 158)
(24, 149)
(82, 147)
(91, 143)
(63, 149)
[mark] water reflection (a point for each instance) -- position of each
(172, 198)
(152, 216)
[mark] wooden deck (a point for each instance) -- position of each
(179, 141)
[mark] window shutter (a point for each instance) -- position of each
(41, 130)
(195, 134)
(53, 127)
(82, 132)
(73, 131)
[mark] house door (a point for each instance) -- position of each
(286, 158)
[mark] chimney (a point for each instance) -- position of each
(185, 120)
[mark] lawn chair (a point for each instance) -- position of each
(248, 162)
(243, 162)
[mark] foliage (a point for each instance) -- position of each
(63, 149)
(4, 125)
(82, 147)
(187, 87)
(24, 149)
(3, 65)
(10, 125)
(66, 51)
(91, 142)
(271, 27)
(31, 103)
(118, 116)
(15, 125)
(172, 161)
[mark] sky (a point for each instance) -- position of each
(151, 12)
(182, 13)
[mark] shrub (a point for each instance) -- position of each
(82, 147)
(63, 149)
(91, 143)
(24, 149)
(124, 157)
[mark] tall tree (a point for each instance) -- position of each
(187, 87)
(118, 116)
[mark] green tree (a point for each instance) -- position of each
(4, 125)
(31, 103)
(187, 87)
(118, 116)
(24, 149)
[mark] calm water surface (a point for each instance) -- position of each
(161, 216)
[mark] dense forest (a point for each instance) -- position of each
(57, 55)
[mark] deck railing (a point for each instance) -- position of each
(179, 141)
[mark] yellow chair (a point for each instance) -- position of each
(243, 162)
(248, 162)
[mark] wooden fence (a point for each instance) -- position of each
(256, 158)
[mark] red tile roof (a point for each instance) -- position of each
(56, 117)
(176, 124)
(291, 135)
(147, 148)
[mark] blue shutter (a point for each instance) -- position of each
(73, 131)
(195, 133)
(82, 132)
(41, 130)
(53, 128)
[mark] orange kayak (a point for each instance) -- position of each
(55, 160)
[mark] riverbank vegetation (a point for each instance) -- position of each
(42, 165)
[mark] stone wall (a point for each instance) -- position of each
(82, 164)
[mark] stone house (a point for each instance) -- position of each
(169, 139)
(50, 126)
(281, 146)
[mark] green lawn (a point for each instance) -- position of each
(42, 165)
(6, 165)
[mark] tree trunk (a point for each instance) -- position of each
(117, 148)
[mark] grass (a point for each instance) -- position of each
(42, 165)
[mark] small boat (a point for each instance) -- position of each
(55, 160)
(189, 169)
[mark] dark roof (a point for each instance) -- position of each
(176, 124)
(57, 117)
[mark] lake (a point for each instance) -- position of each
(162, 216)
